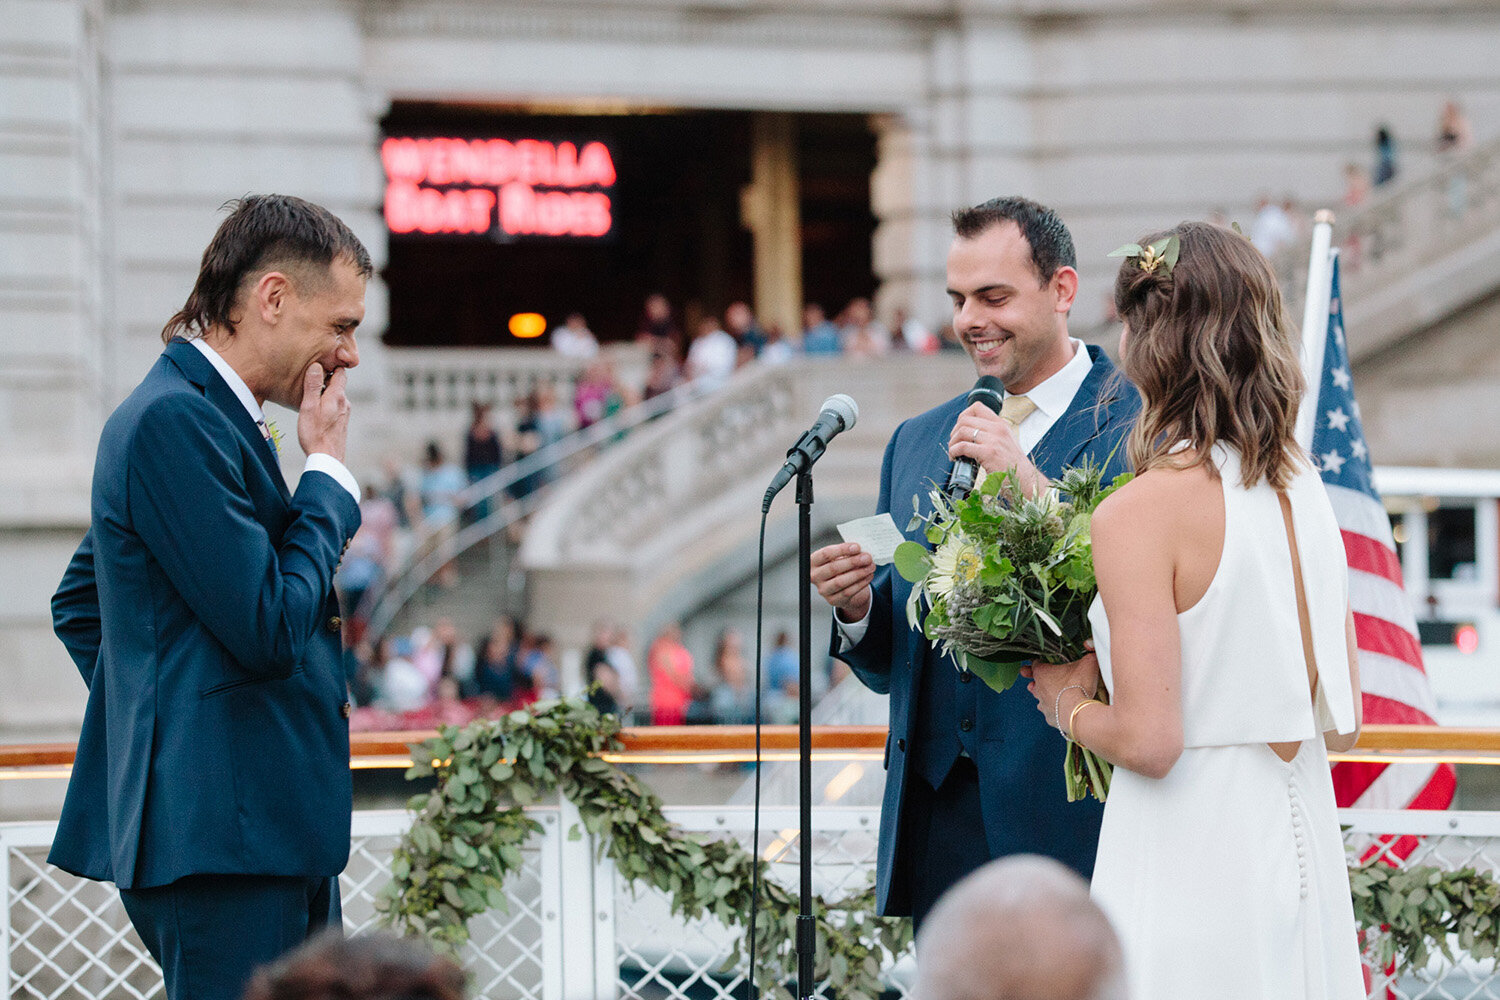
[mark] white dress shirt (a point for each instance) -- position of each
(316, 462)
(1052, 399)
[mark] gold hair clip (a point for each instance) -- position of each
(1163, 253)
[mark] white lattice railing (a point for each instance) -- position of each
(575, 928)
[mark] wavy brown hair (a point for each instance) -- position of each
(1214, 354)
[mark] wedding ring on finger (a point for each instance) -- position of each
(975, 435)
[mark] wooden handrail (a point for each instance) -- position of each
(731, 739)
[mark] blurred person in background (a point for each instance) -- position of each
(662, 377)
(596, 395)
(1454, 136)
(442, 482)
(819, 335)
(671, 668)
(713, 353)
(783, 675)
(912, 334)
(399, 685)
(657, 330)
(862, 335)
(540, 665)
(483, 452)
(623, 661)
(1020, 928)
(368, 557)
(541, 423)
(740, 323)
(1272, 228)
(779, 350)
(574, 339)
(497, 670)
(732, 700)
(376, 966)
(1385, 156)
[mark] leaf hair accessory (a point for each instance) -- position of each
(1163, 254)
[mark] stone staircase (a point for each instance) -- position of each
(1415, 253)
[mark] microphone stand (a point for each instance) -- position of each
(806, 927)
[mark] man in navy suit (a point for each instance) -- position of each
(974, 774)
(212, 778)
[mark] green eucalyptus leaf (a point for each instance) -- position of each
(999, 676)
(1128, 250)
(912, 561)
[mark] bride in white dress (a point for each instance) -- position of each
(1229, 667)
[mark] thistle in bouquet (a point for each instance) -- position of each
(1009, 580)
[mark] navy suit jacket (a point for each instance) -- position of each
(1019, 757)
(200, 611)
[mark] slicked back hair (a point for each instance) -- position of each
(1051, 243)
(265, 232)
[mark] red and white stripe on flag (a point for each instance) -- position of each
(1396, 689)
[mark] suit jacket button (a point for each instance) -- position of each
(965, 676)
(335, 623)
(966, 724)
(901, 745)
(346, 709)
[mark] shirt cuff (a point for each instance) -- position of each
(852, 632)
(320, 462)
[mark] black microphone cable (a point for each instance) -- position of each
(760, 607)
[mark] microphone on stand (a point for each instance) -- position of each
(991, 392)
(838, 415)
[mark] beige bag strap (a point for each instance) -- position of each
(1306, 621)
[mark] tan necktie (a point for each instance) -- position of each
(1016, 409)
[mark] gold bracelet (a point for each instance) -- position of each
(1074, 714)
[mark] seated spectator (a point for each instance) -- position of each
(712, 355)
(663, 376)
(369, 556)
(819, 336)
(1020, 928)
(574, 339)
(375, 966)
(778, 350)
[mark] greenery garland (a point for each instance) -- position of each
(451, 865)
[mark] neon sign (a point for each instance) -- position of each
(510, 188)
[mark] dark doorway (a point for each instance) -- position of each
(675, 229)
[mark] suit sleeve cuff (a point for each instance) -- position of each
(328, 465)
(852, 632)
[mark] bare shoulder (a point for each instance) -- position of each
(1157, 502)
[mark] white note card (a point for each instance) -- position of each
(877, 535)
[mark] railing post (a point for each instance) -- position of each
(571, 948)
(606, 960)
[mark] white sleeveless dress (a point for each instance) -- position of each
(1226, 880)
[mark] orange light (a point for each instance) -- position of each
(1466, 638)
(528, 325)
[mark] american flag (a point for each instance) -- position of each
(1394, 681)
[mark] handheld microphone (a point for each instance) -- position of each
(838, 415)
(991, 392)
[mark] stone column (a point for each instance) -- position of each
(772, 212)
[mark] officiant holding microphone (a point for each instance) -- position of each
(972, 773)
(211, 783)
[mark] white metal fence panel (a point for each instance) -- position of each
(577, 930)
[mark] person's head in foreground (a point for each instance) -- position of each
(1020, 928)
(367, 967)
(1208, 342)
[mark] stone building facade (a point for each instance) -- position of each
(124, 124)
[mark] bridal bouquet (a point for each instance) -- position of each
(1009, 579)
